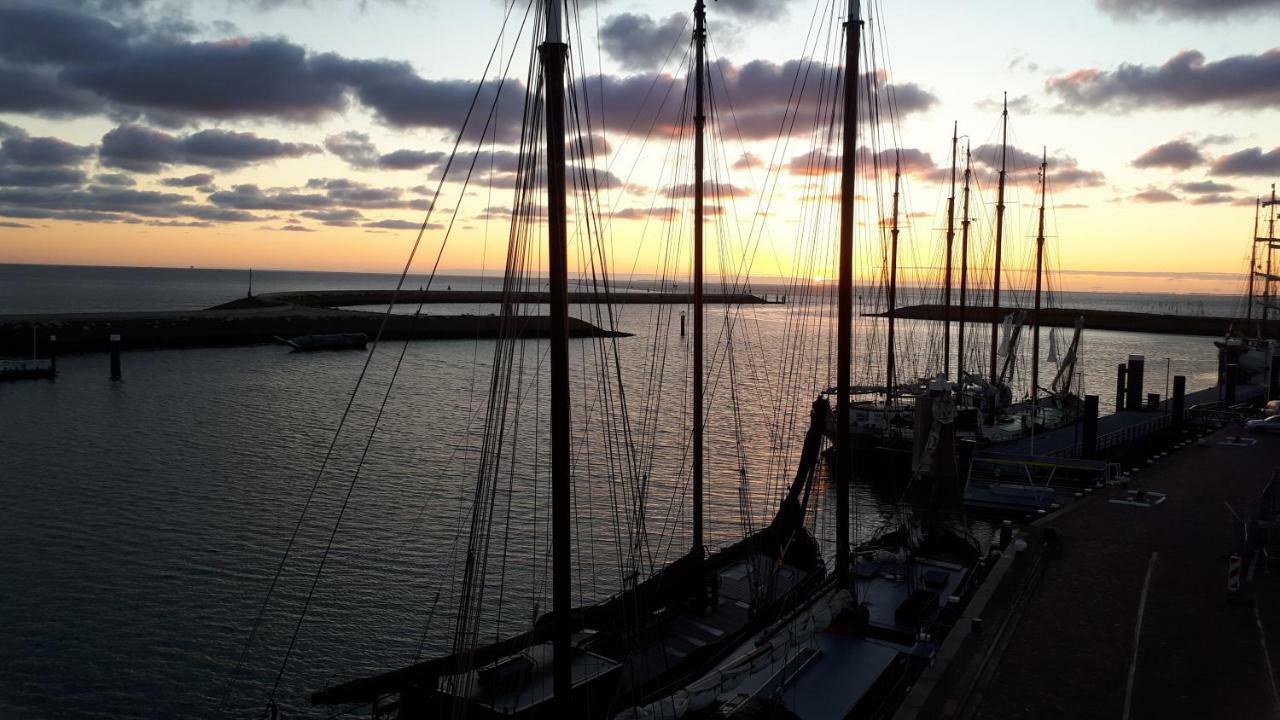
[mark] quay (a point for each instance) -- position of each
(247, 322)
(1119, 605)
(1097, 320)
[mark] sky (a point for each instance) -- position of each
(297, 134)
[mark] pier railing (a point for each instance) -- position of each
(1119, 437)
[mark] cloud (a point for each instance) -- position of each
(358, 151)
(639, 42)
(747, 160)
(100, 203)
(8, 224)
(1215, 199)
(401, 225)
(1187, 9)
(1064, 171)
(40, 177)
(1185, 80)
(1251, 162)
(41, 152)
(196, 180)
(645, 213)
(144, 150)
(1176, 154)
(116, 179)
(1205, 187)
(341, 217)
(711, 189)
(1154, 195)
(297, 228)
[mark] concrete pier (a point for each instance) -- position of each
(1118, 607)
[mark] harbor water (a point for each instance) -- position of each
(145, 519)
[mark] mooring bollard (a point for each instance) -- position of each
(1006, 533)
(681, 324)
(975, 625)
(53, 354)
(115, 357)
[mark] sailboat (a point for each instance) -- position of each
(595, 660)
(889, 419)
(1246, 356)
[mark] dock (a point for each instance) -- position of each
(1119, 605)
(1096, 320)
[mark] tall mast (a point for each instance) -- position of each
(893, 288)
(951, 236)
(1035, 328)
(699, 124)
(844, 320)
(553, 53)
(1271, 236)
(995, 275)
(1253, 264)
(964, 268)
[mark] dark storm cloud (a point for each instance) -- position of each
(1251, 162)
(1186, 80)
(1192, 9)
(145, 150)
(639, 42)
(1176, 154)
(1154, 195)
(196, 180)
(116, 179)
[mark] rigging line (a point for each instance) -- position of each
(359, 381)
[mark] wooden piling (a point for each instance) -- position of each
(115, 357)
(1121, 374)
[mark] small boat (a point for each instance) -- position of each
(335, 341)
(27, 369)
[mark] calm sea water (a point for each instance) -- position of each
(143, 520)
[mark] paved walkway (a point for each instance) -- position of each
(1126, 615)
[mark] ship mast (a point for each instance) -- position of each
(1035, 321)
(844, 320)
(951, 236)
(1271, 236)
(964, 269)
(1253, 265)
(995, 275)
(553, 53)
(893, 288)
(699, 124)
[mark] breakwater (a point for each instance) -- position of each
(1095, 320)
(347, 298)
(248, 322)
